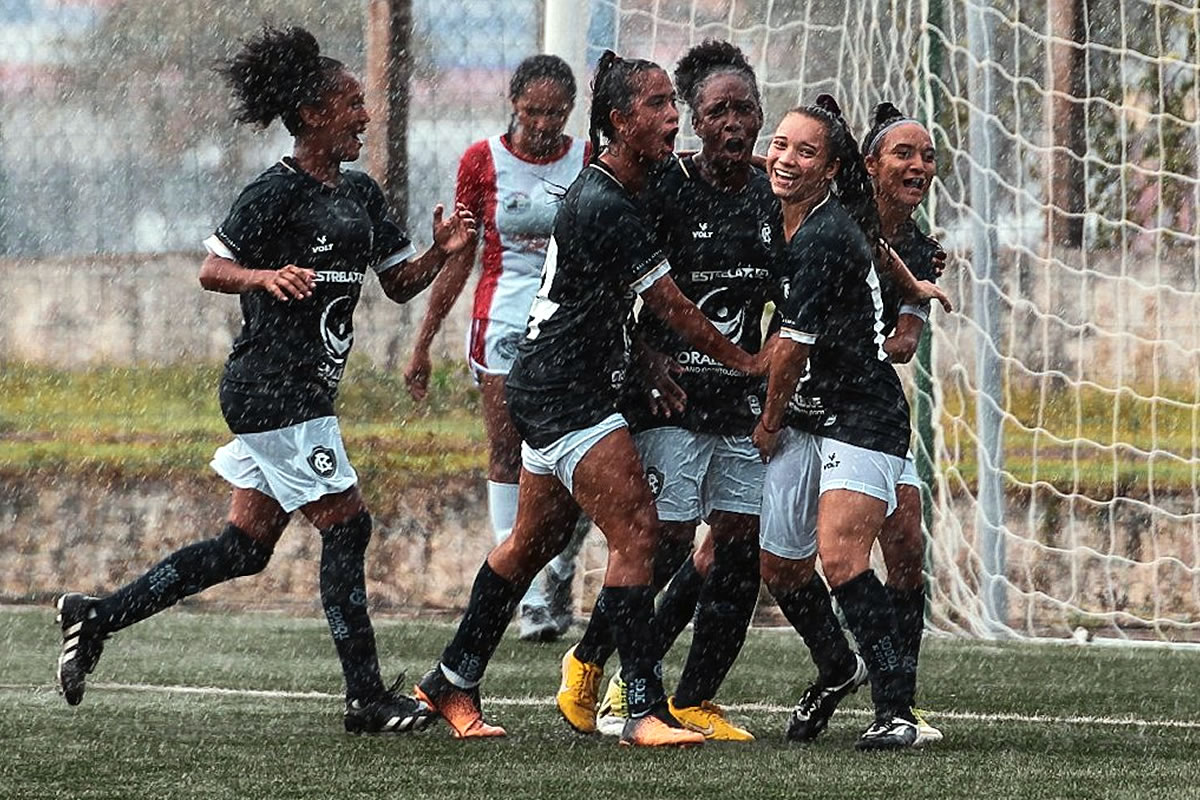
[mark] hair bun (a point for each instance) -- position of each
(827, 102)
(885, 112)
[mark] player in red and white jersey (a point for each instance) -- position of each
(512, 182)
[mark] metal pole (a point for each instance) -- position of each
(989, 518)
(389, 69)
(923, 399)
(565, 26)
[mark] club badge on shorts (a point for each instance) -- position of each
(655, 479)
(323, 461)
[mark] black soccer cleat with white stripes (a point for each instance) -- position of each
(894, 732)
(81, 646)
(812, 714)
(391, 712)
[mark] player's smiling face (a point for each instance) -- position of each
(727, 118)
(799, 162)
(340, 121)
(540, 113)
(650, 127)
(903, 165)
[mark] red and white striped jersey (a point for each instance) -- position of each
(516, 200)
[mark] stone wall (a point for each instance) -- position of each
(93, 535)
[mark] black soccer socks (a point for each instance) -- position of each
(185, 572)
(872, 620)
(810, 612)
(344, 598)
(630, 611)
(490, 609)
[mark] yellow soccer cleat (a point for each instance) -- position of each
(709, 720)
(614, 708)
(926, 733)
(577, 694)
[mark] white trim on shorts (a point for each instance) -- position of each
(294, 466)
(560, 457)
(909, 476)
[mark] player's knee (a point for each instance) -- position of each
(244, 555)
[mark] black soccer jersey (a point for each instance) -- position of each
(833, 303)
(917, 251)
(723, 248)
(289, 357)
(570, 365)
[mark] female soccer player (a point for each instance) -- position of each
(512, 184)
(295, 246)
(847, 426)
(720, 226)
(901, 160)
(562, 395)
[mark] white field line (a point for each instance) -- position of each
(548, 702)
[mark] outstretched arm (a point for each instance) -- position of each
(447, 286)
(911, 289)
(406, 280)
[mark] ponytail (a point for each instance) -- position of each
(852, 183)
(612, 90)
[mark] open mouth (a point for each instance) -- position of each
(734, 146)
(669, 138)
(915, 183)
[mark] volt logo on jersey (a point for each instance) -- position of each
(702, 232)
(323, 245)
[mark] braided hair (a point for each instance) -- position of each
(707, 60)
(613, 90)
(852, 183)
(275, 73)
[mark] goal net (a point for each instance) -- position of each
(1065, 391)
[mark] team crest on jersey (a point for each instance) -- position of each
(323, 461)
(655, 479)
(766, 233)
(755, 406)
(517, 203)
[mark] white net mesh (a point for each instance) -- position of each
(1052, 121)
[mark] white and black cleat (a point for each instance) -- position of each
(81, 646)
(391, 712)
(896, 732)
(812, 714)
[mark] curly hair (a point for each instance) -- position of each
(275, 73)
(706, 60)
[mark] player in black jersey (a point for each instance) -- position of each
(901, 160)
(720, 226)
(562, 395)
(846, 423)
(295, 247)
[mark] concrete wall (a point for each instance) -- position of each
(1115, 323)
(76, 312)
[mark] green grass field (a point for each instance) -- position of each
(149, 420)
(1021, 720)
